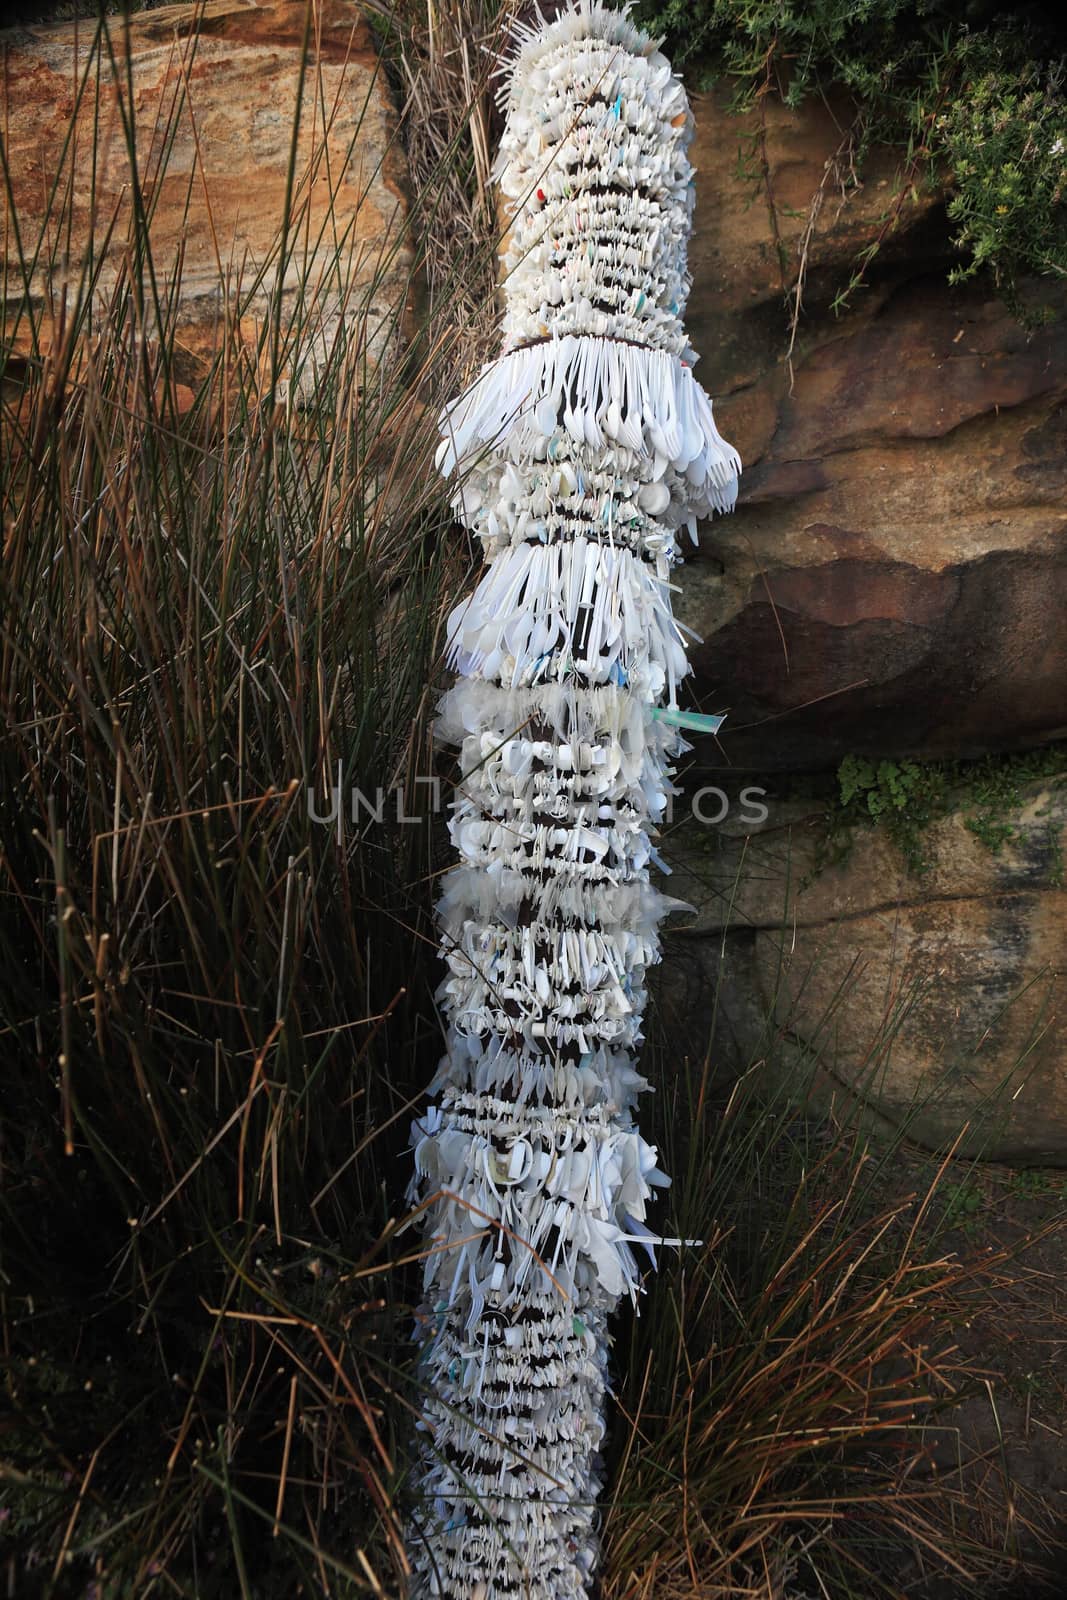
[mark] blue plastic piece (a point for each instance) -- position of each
(695, 721)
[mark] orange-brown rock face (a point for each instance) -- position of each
(938, 1001)
(211, 95)
(896, 576)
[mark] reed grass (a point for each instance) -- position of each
(784, 1385)
(217, 1006)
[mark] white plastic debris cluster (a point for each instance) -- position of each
(577, 455)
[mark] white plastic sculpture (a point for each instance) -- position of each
(578, 455)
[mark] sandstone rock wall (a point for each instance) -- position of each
(895, 578)
(938, 1000)
(892, 584)
(209, 96)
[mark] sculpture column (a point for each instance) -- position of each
(580, 454)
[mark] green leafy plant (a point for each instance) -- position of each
(962, 1204)
(1028, 1182)
(1005, 140)
(905, 796)
(972, 95)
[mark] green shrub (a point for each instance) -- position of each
(1005, 140)
(973, 95)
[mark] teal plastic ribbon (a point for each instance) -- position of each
(695, 721)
